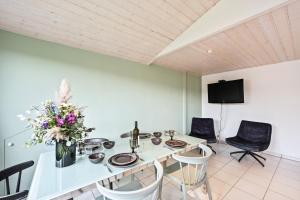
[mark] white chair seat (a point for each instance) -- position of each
(192, 171)
(151, 191)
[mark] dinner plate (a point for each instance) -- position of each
(123, 159)
(145, 135)
(176, 143)
(141, 135)
(94, 141)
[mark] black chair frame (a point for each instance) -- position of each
(6, 173)
(254, 155)
(251, 137)
(204, 128)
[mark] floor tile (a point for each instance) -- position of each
(64, 197)
(251, 188)
(236, 194)
(285, 190)
(256, 179)
(199, 194)
(215, 163)
(289, 174)
(226, 177)
(212, 171)
(275, 196)
(85, 196)
(290, 162)
(287, 181)
(261, 172)
(171, 192)
(221, 157)
(218, 186)
(236, 171)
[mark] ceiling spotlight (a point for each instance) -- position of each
(209, 51)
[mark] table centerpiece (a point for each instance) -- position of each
(58, 121)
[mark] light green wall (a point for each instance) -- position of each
(193, 99)
(117, 92)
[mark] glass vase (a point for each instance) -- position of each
(65, 155)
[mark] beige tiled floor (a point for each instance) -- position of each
(231, 180)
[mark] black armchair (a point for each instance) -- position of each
(251, 137)
(6, 173)
(204, 128)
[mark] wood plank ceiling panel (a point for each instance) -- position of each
(268, 38)
(136, 30)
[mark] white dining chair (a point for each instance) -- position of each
(198, 176)
(148, 192)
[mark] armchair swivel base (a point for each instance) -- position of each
(254, 155)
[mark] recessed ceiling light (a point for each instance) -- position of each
(209, 51)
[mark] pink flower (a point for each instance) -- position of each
(71, 118)
(59, 121)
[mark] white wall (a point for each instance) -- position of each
(272, 94)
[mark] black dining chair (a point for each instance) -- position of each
(204, 128)
(251, 137)
(6, 173)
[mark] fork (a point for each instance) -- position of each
(109, 169)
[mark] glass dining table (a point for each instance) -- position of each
(51, 182)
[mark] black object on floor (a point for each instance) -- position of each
(204, 128)
(251, 137)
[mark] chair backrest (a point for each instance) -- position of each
(203, 128)
(152, 189)
(199, 162)
(256, 132)
(6, 173)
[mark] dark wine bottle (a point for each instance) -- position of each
(136, 131)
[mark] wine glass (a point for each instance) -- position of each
(171, 134)
(133, 144)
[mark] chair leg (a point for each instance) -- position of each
(254, 156)
(259, 156)
(183, 190)
(212, 149)
(243, 156)
(208, 189)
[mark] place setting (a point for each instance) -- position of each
(172, 143)
(129, 159)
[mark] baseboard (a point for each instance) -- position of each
(291, 158)
(273, 153)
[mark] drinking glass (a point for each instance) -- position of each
(171, 134)
(133, 144)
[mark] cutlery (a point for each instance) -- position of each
(142, 159)
(109, 169)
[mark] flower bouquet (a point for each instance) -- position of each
(60, 122)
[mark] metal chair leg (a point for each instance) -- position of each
(257, 159)
(243, 156)
(212, 149)
(259, 156)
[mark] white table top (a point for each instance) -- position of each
(50, 182)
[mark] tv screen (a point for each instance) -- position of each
(226, 92)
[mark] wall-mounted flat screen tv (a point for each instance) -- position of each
(226, 91)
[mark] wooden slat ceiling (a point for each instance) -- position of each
(136, 30)
(269, 38)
